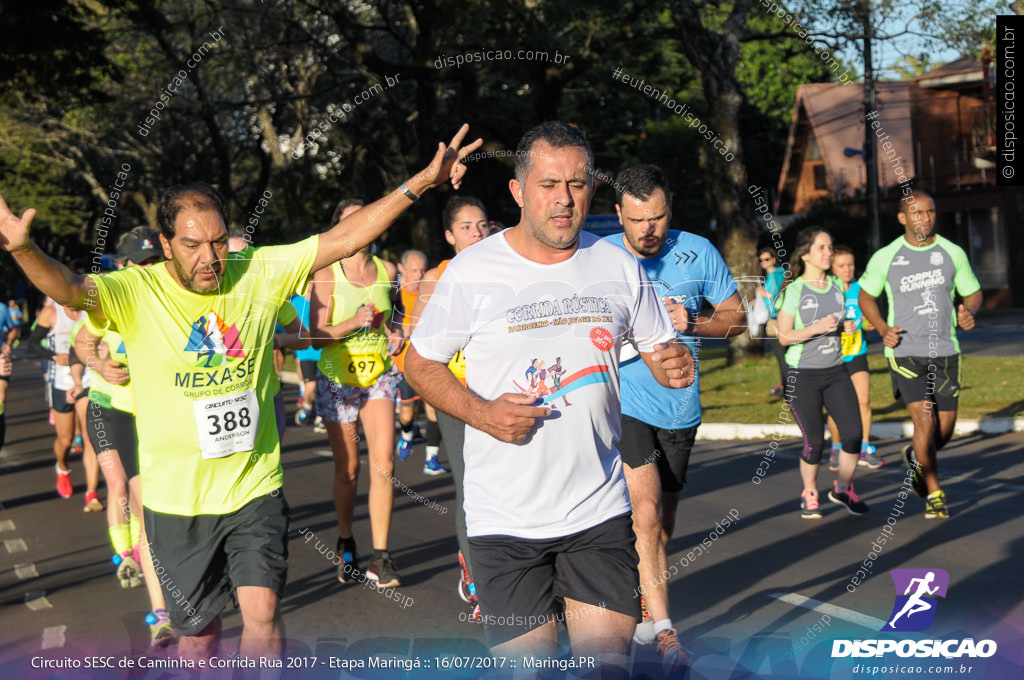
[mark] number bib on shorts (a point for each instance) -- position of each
(227, 425)
(363, 359)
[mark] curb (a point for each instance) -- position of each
(899, 430)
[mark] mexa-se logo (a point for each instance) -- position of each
(214, 341)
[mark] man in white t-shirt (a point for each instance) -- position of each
(547, 507)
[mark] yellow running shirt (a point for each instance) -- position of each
(359, 358)
(202, 377)
(101, 392)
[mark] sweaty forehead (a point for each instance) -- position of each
(199, 225)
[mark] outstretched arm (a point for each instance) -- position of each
(360, 228)
(45, 273)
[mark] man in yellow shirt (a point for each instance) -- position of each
(210, 464)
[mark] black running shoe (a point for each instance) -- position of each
(382, 570)
(917, 482)
(348, 567)
(849, 498)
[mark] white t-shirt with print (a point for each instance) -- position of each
(513, 318)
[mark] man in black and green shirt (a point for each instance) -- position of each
(920, 272)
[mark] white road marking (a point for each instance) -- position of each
(15, 545)
(53, 637)
(324, 453)
(832, 610)
(7, 525)
(24, 571)
(37, 601)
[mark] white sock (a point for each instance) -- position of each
(664, 624)
(432, 451)
(407, 436)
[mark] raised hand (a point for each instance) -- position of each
(445, 164)
(14, 229)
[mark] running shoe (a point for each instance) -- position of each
(675, 659)
(348, 567)
(161, 634)
(935, 508)
(64, 487)
(776, 392)
(129, 573)
(849, 498)
(809, 505)
(869, 459)
(433, 467)
(77, 446)
(917, 482)
(382, 570)
(418, 436)
(92, 502)
(318, 426)
(403, 448)
(467, 591)
(833, 458)
(644, 632)
(302, 415)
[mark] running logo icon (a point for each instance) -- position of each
(214, 340)
(914, 609)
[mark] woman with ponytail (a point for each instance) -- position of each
(810, 313)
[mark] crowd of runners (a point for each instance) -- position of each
(568, 404)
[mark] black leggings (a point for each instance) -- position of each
(806, 390)
(453, 431)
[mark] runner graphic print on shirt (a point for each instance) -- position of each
(564, 313)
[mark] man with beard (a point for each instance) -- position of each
(209, 451)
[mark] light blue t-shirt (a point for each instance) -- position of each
(773, 284)
(302, 307)
(857, 344)
(690, 267)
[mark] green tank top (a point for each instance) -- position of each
(359, 358)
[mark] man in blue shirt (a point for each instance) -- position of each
(659, 425)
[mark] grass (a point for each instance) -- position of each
(739, 394)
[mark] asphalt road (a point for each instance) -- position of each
(766, 600)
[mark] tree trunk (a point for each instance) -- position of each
(714, 56)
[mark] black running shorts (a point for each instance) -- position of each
(522, 583)
(642, 444)
(857, 364)
(406, 393)
(109, 429)
(308, 369)
(201, 560)
(58, 399)
(926, 379)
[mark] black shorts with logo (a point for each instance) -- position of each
(201, 560)
(934, 379)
